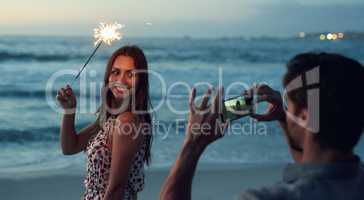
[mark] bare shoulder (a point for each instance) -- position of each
(127, 126)
(127, 117)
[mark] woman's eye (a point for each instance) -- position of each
(129, 74)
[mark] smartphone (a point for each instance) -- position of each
(237, 107)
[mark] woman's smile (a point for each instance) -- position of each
(119, 90)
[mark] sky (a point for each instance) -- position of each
(196, 18)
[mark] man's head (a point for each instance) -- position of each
(326, 96)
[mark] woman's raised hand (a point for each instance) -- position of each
(67, 99)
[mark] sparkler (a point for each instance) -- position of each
(105, 33)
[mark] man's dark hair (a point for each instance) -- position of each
(341, 82)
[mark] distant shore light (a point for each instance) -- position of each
(341, 35)
(334, 36)
(301, 34)
(322, 37)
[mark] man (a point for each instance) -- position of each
(322, 123)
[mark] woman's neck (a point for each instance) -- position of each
(117, 105)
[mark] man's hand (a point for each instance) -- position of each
(275, 109)
(203, 129)
(203, 125)
(275, 112)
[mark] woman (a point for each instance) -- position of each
(115, 154)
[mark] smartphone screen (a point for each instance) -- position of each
(236, 108)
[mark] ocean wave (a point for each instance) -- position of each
(204, 56)
(25, 93)
(38, 134)
(41, 94)
(177, 49)
(13, 56)
(217, 57)
(14, 135)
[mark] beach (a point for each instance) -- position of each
(151, 56)
(209, 184)
(251, 155)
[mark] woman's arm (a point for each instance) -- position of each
(71, 142)
(126, 142)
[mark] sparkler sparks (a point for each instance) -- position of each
(107, 33)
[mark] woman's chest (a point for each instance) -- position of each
(98, 149)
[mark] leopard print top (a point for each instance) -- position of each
(98, 165)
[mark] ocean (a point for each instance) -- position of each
(30, 123)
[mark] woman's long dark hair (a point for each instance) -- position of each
(142, 101)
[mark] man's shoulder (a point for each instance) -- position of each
(277, 191)
(305, 188)
(283, 190)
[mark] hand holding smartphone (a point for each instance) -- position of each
(237, 107)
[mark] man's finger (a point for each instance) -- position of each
(217, 103)
(191, 101)
(264, 89)
(266, 97)
(260, 117)
(266, 116)
(262, 98)
(248, 93)
(205, 99)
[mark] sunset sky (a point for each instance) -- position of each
(200, 18)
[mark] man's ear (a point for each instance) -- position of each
(304, 118)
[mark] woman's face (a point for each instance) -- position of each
(122, 78)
